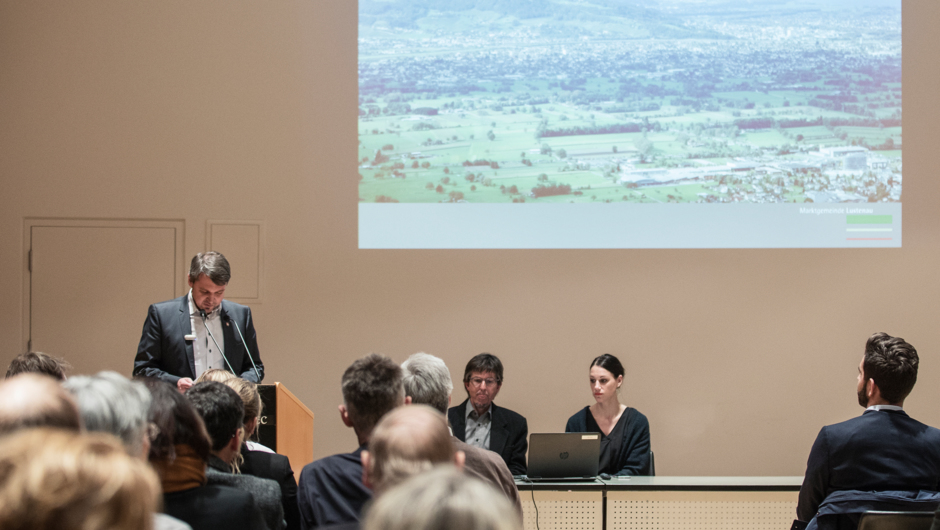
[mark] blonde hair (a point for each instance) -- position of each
(217, 375)
(248, 391)
(442, 499)
(55, 479)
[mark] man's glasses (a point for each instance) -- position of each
(478, 381)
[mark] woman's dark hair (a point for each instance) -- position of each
(610, 363)
(177, 422)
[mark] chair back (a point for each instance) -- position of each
(877, 520)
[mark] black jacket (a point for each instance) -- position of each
(277, 468)
(877, 451)
(508, 434)
(214, 507)
(163, 353)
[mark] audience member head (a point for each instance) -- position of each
(59, 480)
(32, 400)
(38, 363)
(371, 387)
(427, 381)
(177, 424)
(442, 499)
(223, 413)
(251, 399)
(216, 374)
(890, 364)
(109, 402)
(407, 441)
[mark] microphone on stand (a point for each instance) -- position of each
(245, 344)
(202, 313)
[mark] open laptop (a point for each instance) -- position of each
(570, 456)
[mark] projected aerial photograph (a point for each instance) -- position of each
(665, 101)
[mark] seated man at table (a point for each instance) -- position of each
(481, 423)
(427, 382)
(882, 450)
(330, 490)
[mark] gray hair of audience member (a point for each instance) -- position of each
(39, 363)
(407, 441)
(33, 400)
(112, 403)
(427, 381)
(371, 388)
(213, 265)
(442, 499)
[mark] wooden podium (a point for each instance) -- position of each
(286, 425)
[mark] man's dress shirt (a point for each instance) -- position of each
(478, 426)
(206, 354)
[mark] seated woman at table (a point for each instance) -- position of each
(625, 432)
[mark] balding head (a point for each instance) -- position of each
(30, 400)
(407, 441)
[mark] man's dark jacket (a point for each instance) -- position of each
(508, 434)
(878, 451)
(163, 352)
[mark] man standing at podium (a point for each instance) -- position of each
(184, 337)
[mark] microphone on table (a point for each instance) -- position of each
(245, 344)
(202, 313)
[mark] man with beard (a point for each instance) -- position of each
(480, 423)
(882, 450)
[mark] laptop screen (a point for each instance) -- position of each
(564, 455)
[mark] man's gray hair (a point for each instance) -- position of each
(427, 381)
(213, 265)
(109, 402)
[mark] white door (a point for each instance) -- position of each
(90, 284)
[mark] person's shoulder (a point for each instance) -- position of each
(458, 410)
(637, 415)
(173, 303)
(581, 415)
(228, 305)
(265, 459)
(508, 413)
(212, 492)
(258, 486)
(329, 464)
(468, 449)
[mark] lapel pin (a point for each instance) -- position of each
(189, 337)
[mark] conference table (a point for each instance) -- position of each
(661, 503)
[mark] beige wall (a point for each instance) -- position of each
(246, 110)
